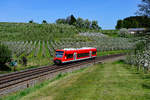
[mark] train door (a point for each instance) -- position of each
(90, 54)
(75, 56)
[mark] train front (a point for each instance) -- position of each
(58, 56)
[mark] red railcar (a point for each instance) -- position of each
(72, 54)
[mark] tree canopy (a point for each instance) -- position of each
(79, 22)
(5, 54)
(134, 22)
(144, 8)
(71, 20)
(44, 22)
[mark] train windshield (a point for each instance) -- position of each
(59, 54)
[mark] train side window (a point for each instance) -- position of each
(69, 56)
(94, 53)
(82, 55)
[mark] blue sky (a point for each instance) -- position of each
(106, 12)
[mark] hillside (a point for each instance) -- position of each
(38, 42)
(33, 31)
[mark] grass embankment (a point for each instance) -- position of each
(111, 81)
(104, 53)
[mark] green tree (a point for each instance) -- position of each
(79, 23)
(71, 20)
(94, 25)
(44, 22)
(5, 54)
(87, 23)
(144, 8)
(31, 21)
(134, 24)
(61, 21)
(119, 24)
(126, 24)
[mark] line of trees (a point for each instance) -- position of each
(142, 20)
(79, 22)
(134, 22)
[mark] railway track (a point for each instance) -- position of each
(8, 81)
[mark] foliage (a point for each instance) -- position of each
(134, 22)
(87, 24)
(79, 22)
(31, 21)
(44, 22)
(24, 59)
(5, 54)
(123, 32)
(71, 20)
(144, 8)
(61, 21)
(140, 47)
(141, 55)
(119, 24)
(94, 25)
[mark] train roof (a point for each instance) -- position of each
(83, 48)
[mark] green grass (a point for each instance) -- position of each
(104, 53)
(110, 81)
(111, 33)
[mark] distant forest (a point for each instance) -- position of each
(134, 22)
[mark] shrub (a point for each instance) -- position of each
(24, 59)
(123, 32)
(5, 54)
(140, 47)
(44, 22)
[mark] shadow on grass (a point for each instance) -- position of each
(33, 67)
(4, 68)
(119, 62)
(146, 77)
(146, 85)
(136, 73)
